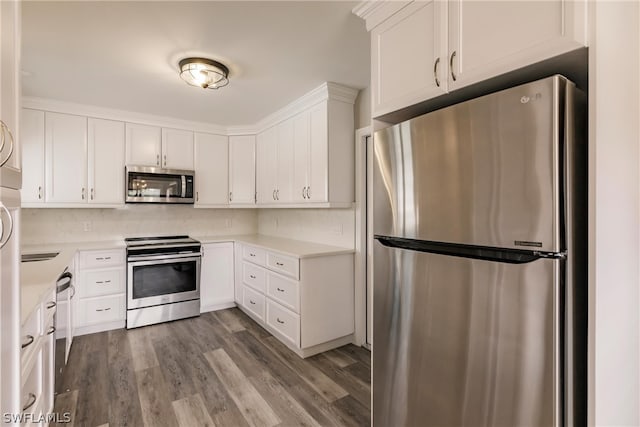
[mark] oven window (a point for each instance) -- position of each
(154, 185)
(163, 279)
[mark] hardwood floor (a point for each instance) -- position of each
(219, 369)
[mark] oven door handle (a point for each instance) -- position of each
(134, 258)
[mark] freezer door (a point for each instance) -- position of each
(484, 172)
(465, 342)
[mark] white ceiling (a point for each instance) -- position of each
(124, 55)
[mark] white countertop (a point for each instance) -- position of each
(294, 248)
(39, 278)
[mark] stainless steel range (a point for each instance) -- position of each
(163, 279)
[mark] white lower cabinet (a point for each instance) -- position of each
(307, 303)
(216, 277)
(37, 361)
(101, 302)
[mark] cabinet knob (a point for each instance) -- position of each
(157, 159)
(39, 192)
(51, 304)
(273, 195)
(252, 276)
(165, 160)
(308, 192)
(92, 193)
(435, 71)
(280, 290)
(252, 302)
(280, 321)
(197, 196)
(51, 330)
(28, 342)
(453, 74)
(83, 190)
(230, 196)
(303, 195)
(278, 194)
(31, 399)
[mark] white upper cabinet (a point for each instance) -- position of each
(408, 54)
(318, 173)
(274, 164)
(490, 38)
(212, 169)
(144, 145)
(267, 166)
(301, 140)
(10, 153)
(242, 170)
(105, 161)
(285, 162)
(65, 158)
(32, 136)
(177, 149)
(423, 49)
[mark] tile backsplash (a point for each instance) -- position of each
(82, 225)
(334, 227)
(328, 226)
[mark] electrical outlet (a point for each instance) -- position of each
(86, 225)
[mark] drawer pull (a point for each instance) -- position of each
(252, 276)
(51, 330)
(252, 302)
(103, 309)
(279, 321)
(99, 258)
(30, 340)
(107, 281)
(279, 264)
(31, 400)
(100, 282)
(280, 290)
(107, 257)
(51, 305)
(252, 254)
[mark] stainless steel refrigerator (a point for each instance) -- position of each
(480, 262)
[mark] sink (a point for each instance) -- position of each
(39, 257)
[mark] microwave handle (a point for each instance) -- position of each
(184, 186)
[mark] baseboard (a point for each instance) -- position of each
(99, 327)
(216, 307)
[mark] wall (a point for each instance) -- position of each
(67, 225)
(614, 324)
(362, 108)
(334, 227)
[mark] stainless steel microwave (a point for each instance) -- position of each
(147, 184)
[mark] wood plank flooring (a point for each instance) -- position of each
(219, 369)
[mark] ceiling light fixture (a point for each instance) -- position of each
(204, 73)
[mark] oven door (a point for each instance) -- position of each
(162, 279)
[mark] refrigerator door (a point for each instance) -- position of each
(466, 342)
(485, 172)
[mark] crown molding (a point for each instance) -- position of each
(119, 115)
(374, 12)
(326, 91)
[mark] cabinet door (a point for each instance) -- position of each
(267, 165)
(106, 161)
(65, 158)
(177, 149)
(242, 169)
(212, 169)
(143, 145)
(216, 279)
(10, 88)
(301, 141)
(32, 136)
(284, 172)
(491, 38)
(408, 62)
(317, 190)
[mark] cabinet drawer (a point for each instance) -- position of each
(31, 331)
(95, 283)
(284, 321)
(284, 264)
(49, 308)
(99, 310)
(254, 302)
(283, 290)
(253, 254)
(32, 386)
(101, 259)
(254, 276)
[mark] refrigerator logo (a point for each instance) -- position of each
(530, 244)
(525, 99)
